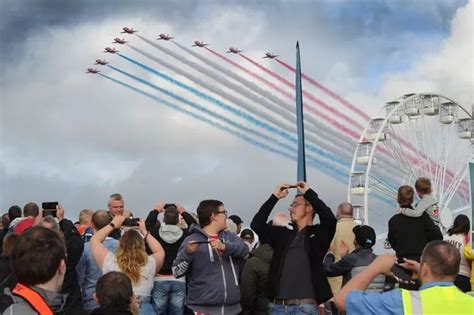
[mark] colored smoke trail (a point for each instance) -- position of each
(305, 93)
(316, 163)
(350, 106)
(327, 155)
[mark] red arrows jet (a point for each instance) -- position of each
(199, 44)
(119, 41)
(164, 37)
(100, 62)
(269, 56)
(233, 50)
(91, 70)
(128, 30)
(110, 50)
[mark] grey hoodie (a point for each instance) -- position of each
(429, 204)
(212, 281)
(170, 233)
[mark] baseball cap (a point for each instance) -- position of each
(364, 235)
(247, 232)
(236, 219)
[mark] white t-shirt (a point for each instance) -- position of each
(459, 242)
(142, 288)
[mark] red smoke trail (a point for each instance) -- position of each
(305, 94)
(327, 91)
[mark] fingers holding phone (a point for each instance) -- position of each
(281, 191)
(192, 247)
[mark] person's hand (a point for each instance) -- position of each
(332, 248)
(141, 226)
(39, 217)
(117, 221)
(134, 305)
(159, 207)
(384, 263)
(281, 191)
(192, 247)
(343, 248)
(218, 245)
(180, 208)
(60, 212)
(411, 265)
(302, 186)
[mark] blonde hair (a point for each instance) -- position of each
(131, 255)
(85, 216)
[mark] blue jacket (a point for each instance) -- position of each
(88, 272)
(212, 281)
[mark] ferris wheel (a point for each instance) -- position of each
(421, 135)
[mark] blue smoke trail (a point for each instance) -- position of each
(225, 106)
(338, 174)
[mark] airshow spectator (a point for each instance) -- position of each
(30, 212)
(438, 268)
(354, 262)
(248, 237)
(84, 226)
(38, 260)
(88, 272)
(168, 291)
(4, 224)
(7, 279)
(207, 259)
(344, 237)
(296, 281)
(114, 294)
(131, 258)
(116, 205)
(458, 236)
(238, 221)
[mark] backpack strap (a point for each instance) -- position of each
(33, 298)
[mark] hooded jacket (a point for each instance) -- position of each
(254, 277)
(317, 240)
(212, 280)
(55, 301)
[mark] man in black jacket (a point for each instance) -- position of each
(296, 282)
(169, 292)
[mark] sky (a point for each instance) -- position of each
(75, 138)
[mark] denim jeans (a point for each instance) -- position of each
(168, 297)
(277, 309)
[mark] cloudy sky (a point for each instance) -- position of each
(77, 138)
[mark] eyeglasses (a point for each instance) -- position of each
(294, 205)
(224, 212)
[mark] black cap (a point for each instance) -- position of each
(236, 219)
(246, 232)
(364, 235)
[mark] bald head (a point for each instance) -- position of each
(344, 210)
(100, 218)
(281, 219)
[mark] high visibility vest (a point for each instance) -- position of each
(437, 300)
(33, 298)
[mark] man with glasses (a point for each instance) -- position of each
(207, 257)
(296, 283)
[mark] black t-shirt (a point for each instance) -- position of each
(295, 281)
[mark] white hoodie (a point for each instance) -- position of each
(459, 241)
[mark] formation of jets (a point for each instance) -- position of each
(199, 44)
(269, 55)
(164, 37)
(119, 41)
(167, 37)
(234, 50)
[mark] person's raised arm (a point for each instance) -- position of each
(153, 244)
(187, 217)
(150, 221)
(381, 264)
(259, 222)
(99, 251)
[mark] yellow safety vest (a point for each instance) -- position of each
(437, 300)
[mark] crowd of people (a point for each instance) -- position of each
(178, 262)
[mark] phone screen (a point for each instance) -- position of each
(49, 205)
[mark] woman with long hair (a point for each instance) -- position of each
(131, 258)
(458, 235)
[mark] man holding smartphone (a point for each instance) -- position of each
(296, 282)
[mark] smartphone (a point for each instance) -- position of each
(169, 205)
(49, 205)
(202, 242)
(401, 273)
(52, 213)
(130, 222)
(291, 186)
